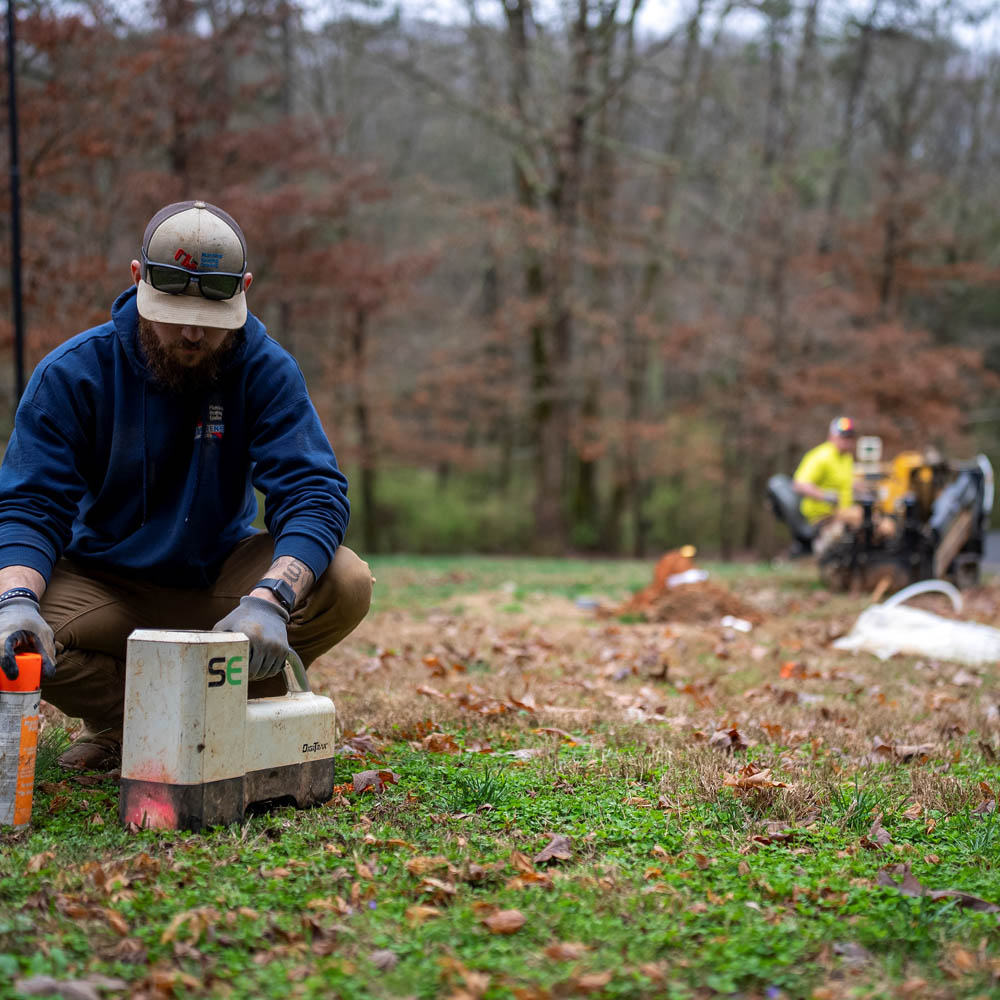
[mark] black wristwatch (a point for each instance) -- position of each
(282, 590)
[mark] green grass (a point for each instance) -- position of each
(317, 893)
(678, 886)
(415, 583)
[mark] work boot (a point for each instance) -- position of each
(93, 752)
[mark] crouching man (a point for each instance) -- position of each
(127, 490)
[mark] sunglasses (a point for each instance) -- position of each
(169, 278)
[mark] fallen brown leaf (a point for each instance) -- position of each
(69, 989)
(422, 865)
(903, 753)
(374, 780)
(418, 913)
(752, 778)
(559, 848)
(504, 921)
(566, 951)
(728, 740)
(384, 960)
(591, 982)
(910, 886)
(521, 862)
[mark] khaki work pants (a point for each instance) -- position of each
(92, 613)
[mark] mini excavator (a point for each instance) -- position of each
(920, 518)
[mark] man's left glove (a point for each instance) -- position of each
(263, 623)
(24, 630)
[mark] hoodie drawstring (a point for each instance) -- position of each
(145, 472)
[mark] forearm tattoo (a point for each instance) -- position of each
(297, 574)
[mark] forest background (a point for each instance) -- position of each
(561, 276)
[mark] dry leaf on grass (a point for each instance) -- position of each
(529, 878)
(590, 982)
(568, 738)
(440, 743)
(197, 920)
(439, 890)
(374, 780)
(504, 921)
(752, 778)
(116, 922)
(521, 862)
(566, 951)
(422, 865)
(909, 886)
(419, 912)
(69, 989)
(39, 861)
(384, 960)
(429, 692)
(877, 837)
(902, 753)
(728, 740)
(559, 848)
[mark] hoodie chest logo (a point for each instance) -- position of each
(214, 429)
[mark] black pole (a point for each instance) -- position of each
(15, 212)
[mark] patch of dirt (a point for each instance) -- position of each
(678, 595)
(704, 601)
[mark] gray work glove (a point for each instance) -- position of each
(24, 630)
(263, 623)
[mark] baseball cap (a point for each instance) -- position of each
(843, 427)
(198, 238)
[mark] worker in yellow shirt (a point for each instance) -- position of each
(825, 481)
(825, 476)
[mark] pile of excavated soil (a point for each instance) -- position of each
(692, 602)
(701, 601)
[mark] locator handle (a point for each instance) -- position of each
(295, 674)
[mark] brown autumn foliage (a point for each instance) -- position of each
(604, 281)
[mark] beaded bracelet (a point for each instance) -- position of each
(9, 595)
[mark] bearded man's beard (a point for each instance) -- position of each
(171, 374)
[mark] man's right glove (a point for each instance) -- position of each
(24, 630)
(263, 623)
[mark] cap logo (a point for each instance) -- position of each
(186, 260)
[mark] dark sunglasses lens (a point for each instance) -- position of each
(167, 279)
(219, 286)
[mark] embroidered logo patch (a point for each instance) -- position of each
(215, 428)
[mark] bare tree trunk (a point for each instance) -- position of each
(898, 126)
(855, 88)
(178, 17)
(599, 211)
(550, 527)
(781, 154)
(363, 424)
(551, 332)
(630, 483)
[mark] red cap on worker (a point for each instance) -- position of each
(842, 427)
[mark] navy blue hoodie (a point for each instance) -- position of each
(107, 468)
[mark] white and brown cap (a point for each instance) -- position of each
(198, 237)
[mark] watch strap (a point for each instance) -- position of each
(281, 589)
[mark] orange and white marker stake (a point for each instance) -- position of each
(19, 702)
